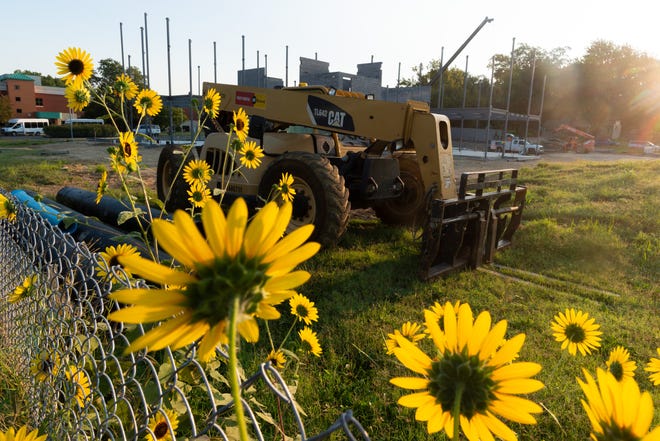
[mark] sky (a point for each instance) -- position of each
(399, 34)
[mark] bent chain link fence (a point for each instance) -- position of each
(81, 386)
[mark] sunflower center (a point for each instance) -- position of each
(575, 333)
(114, 261)
(128, 149)
(301, 311)
(76, 66)
(220, 281)
(617, 370)
(460, 369)
(161, 430)
(612, 432)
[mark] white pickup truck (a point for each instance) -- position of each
(516, 145)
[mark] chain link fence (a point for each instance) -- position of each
(54, 334)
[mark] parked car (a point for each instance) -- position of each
(516, 145)
(646, 146)
(151, 130)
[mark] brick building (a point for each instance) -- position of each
(29, 99)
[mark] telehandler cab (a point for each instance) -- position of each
(345, 150)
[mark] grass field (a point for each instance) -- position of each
(590, 240)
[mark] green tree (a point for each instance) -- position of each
(106, 72)
(5, 109)
(163, 118)
(46, 80)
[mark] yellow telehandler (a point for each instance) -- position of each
(346, 150)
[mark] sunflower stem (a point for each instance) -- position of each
(233, 369)
(456, 409)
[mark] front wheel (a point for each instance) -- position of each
(172, 189)
(408, 208)
(321, 198)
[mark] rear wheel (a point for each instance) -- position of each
(172, 189)
(409, 208)
(321, 198)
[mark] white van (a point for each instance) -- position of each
(25, 126)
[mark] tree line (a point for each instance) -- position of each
(609, 83)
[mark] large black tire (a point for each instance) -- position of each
(410, 207)
(175, 196)
(321, 197)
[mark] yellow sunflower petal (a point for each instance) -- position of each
(279, 227)
(215, 227)
(148, 297)
(493, 340)
(144, 314)
(259, 228)
(428, 410)
(509, 351)
(289, 243)
(286, 281)
(479, 424)
(249, 330)
(154, 272)
(415, 400)
(450, 327)
(519, 386)
(236, 221)
(479, 332)
(506, 410)
(170, 240)
(267, 312)
(516, 370)
(192, 238)
(499, 428)
(211, 340)
(433, 327)
(187, 334)
(411, 356)
(289, 261)
(160, 336)
(464, 326)
(412, 383)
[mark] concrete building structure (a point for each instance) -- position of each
(29, 99)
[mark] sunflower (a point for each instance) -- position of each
(22, 435)
(469, 376)
(277, 359)
(75, 64)
(197, 170)
(162, 425)
(653, 366)
(80, 381)
(249, 264)
(124, 87)
(409, 330)
(111, 257)
(251, 154)
(241, 124)
(102, 186)
(576, 331)
(285, 187)
(77, 97)
(7, 208)
(310, 341)
(129, 149)
(617, 410)
(212, 103)
(45, 366)
(148, 102)
(620, 365)
(199, 194)
(303, 309)
(24, 290)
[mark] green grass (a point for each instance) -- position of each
(590, 240)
